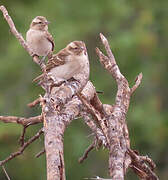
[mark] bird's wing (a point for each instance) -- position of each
(53, 62)
(57, 59)
(50, 38)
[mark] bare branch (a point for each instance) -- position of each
(20, 37)
(35, 102)
(140, 167)
(137, 83)
(109, 62)
(21, 139)
(14, 30)
(5, 173)
(108, 49)
(117, 127)
(96, 115)
(149, 161)
(21, 149)
(40, 153)
(101, 139)
(97, 104)
(21, 120)
(85, 155)
(116, 119)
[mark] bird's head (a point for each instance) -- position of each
(77, 48)
(39, 23)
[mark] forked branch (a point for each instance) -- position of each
(21, 149)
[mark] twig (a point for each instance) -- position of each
(96, 115)
(21, 149)
(35, 102)
(137, 83)
(109, 62)
(101, 140)
(108, 49)
(20, 37)
(40, 153)
(21, 120)
(149, 161)
(21, 139)
(5, 173)
(85, 155)
(140, 167)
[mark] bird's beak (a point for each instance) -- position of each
(47, 22)
(84, 49)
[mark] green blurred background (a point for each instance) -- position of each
(138, 35)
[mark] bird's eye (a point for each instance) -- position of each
(40, 22)
(76, 48)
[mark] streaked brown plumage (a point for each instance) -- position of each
(66, 63)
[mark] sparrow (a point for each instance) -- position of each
(39, 40)
(67, 63)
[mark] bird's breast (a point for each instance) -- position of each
(73, 66)
(38, 42)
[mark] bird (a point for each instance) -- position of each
(38, 39)
(67, 63)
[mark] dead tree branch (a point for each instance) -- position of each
(101, 139)
(40, 153)
(21, 149)
(137, 83)
(21, 120)
(25, 122)
(116, 121)
(115, 117)
(35, 102)
(143, 166)
(85, 155)
(21, 139)
(20, 37)
(5, 172)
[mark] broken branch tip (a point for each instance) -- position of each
(104, 40)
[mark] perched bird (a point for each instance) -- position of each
(66, 63)
(39, 40)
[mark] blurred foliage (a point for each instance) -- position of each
(137, 32)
